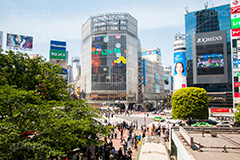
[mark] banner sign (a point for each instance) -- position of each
(144, 71)
(236, 84)
(166, 82)
(222, 110)
(57, 54)
(235, 10)
(236, 33)
(57, 45)
(235, 3)
(235, 23)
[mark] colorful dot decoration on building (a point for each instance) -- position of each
(102, 47)
(119, 61)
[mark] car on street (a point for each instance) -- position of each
(190, 122)
(170, 120)
(224, 124)
(159, 111)
(157, 118)
(202, 124)
(235, 124)
(209, 121)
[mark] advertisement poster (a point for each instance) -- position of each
(19, 41)
(179, 78)
(157, 81)
(166, 83)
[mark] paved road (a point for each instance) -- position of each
(140, 118)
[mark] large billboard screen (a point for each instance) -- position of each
(179, 78)
(210, 57)
(15, 41)
(108, 62)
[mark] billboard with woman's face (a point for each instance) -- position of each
(179, 78)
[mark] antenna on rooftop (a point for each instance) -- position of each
(206, 5)
(186, 9)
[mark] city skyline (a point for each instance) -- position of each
(158, 22)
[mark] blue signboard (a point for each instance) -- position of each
(57, 45)
(65, 74)
(144, 71)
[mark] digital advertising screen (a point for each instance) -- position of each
(109, 62)
(21, 42)
(210, 59)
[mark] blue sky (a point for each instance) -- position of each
(45, 20)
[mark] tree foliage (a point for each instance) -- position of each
(190, 103)
(60, 124)
(237, 114)
(32, 74)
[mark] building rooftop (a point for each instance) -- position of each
(210, 145)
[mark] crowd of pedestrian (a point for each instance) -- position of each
(126, 136)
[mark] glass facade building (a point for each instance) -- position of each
(207, 59)
(111, 66)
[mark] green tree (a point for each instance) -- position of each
(237, 114)
(190, 103)
(32, 74)
(60, 124)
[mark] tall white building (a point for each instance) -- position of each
(153, 74)
(111, 69)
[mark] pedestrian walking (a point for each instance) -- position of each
(115, 134)
(111, 135)
(120, 153)
(129, 154)
(125, 147)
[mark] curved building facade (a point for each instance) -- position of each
(111, 60)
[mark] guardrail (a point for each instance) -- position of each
(186, 136)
